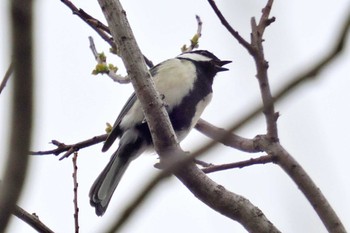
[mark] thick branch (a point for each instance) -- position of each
(210, 193)
(157, 118)
(310, 190)
(22, 111)
(295, 82)
(225, 202)
(283, 158)
(280, 156)
(225, 137)
(304, 183)
(231, 205)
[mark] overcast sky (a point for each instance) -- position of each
(73, 105)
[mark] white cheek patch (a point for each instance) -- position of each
(175, 80)
(194, 56)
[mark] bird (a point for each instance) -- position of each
(185, 85)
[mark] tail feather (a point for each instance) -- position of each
(103, 188)
(131, 145)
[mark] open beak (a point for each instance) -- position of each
(219, 64)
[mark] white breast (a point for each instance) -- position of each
(199, 110)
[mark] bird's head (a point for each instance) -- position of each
(206, 59)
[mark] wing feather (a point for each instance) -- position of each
(115, 132)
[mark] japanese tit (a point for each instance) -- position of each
(185, 82)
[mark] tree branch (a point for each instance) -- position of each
(308, 74)
(227, 138)
(95, 24)
(255, 48)
(299, 176)
(270, 145)
(157, 118)
(288, 88)
(75, 192)
(229, 204)
(304, 183)
(224, 201)
(98, 26)
(70, 149)
(253, 161)
(103, 68)
(261, 67)
(195, 39)
(31, 219)
(210, 193)
(233, 32)
(22, 110)
(6, 78)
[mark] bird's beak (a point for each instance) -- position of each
(219, 64)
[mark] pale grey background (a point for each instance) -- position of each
(72, 105)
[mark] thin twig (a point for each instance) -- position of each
(253, 49)
(202, 163)
(93, 48)
(31, 219)
(98, 26)
(103, 68)
(6, 77)
(253, 161)
(265, 19)
(95, 24)
(199, 25)
(61, 147)
(75, 191)
(233, 32)
(262, 67)
(195, 38)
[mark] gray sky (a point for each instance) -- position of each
(73, 105)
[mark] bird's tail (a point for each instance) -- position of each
(103, 188)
